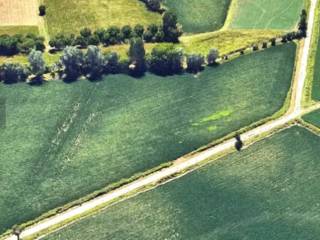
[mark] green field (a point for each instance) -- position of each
(313, 118)
(199, 15)
(63, 141)
(69, 16)
(264, 14)
(268, 191)
(12, 30)
(316, 75)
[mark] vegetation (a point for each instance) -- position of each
(11, 45)
(269, 190)
(37, 66)
(95, 15)
(13, 30)
(12, 73)
(262, 14)
(86, 136)
(137, 59)
(313, 118)
(198, 16)
(166, 60)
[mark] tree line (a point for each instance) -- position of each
(11, 45)
(165, 59)
(169, 31)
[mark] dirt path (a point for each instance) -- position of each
(192, 161)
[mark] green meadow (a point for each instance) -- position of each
(63, 141)
(268, 191)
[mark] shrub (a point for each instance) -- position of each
(13, 73)
(112, 63)
(137, 60)
(195, 63)
(212, 57)
(94, 63)
(8, 45)
(114, 35)
(126, 32)
(85, 32)
(170, 27)
(139, 30)
(42, 10)
(37, 66)
(166, 59)
(72, 62)
(264, 45)
(273, 42)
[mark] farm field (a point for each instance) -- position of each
(316, 75)
(264, 14)
(12, 30)
(199, 15)
(18, 12)
(268, 191)
(95, 14)
(63, 141)
(313, 118)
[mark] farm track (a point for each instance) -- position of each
(194, 160)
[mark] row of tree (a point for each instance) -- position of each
(169, 31)
(165, 59)
(11, 45)
(153, 5)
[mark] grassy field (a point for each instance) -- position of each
(268, 191)
(313, 118)
(226, 41)
(316, 75)
(95, 14)
(199, 15)
(63, 141)
(11, 30)
(264, 14)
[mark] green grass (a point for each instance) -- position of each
(268, 191)
(63, 141)
(70, 16)
(226, 41)
(11, 30)
(316, 74)
(264, 14)
(199, 15)
(313, 118)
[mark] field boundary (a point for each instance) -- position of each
(307, 99)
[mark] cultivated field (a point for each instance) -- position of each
(264, 14)
(268, 191)
(18, 12)
(72, 15)
(316, 76)
(313, 118)
(63, 141)
(199, 15)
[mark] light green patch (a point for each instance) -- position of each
(212, 128)
(216, 116)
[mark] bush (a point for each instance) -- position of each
(166, 59)
(137, 60)
(139, 30)
(13, 73)
(94, 63)
(126, 32)
(37, 66)
(212, 57)
(61, 41)
(112, 64)
(114, 36)
(72, 62)
(42, 10)
(170, 27)
(195, 63)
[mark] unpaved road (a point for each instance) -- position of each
(198, 158)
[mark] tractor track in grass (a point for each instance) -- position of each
(192, 161)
